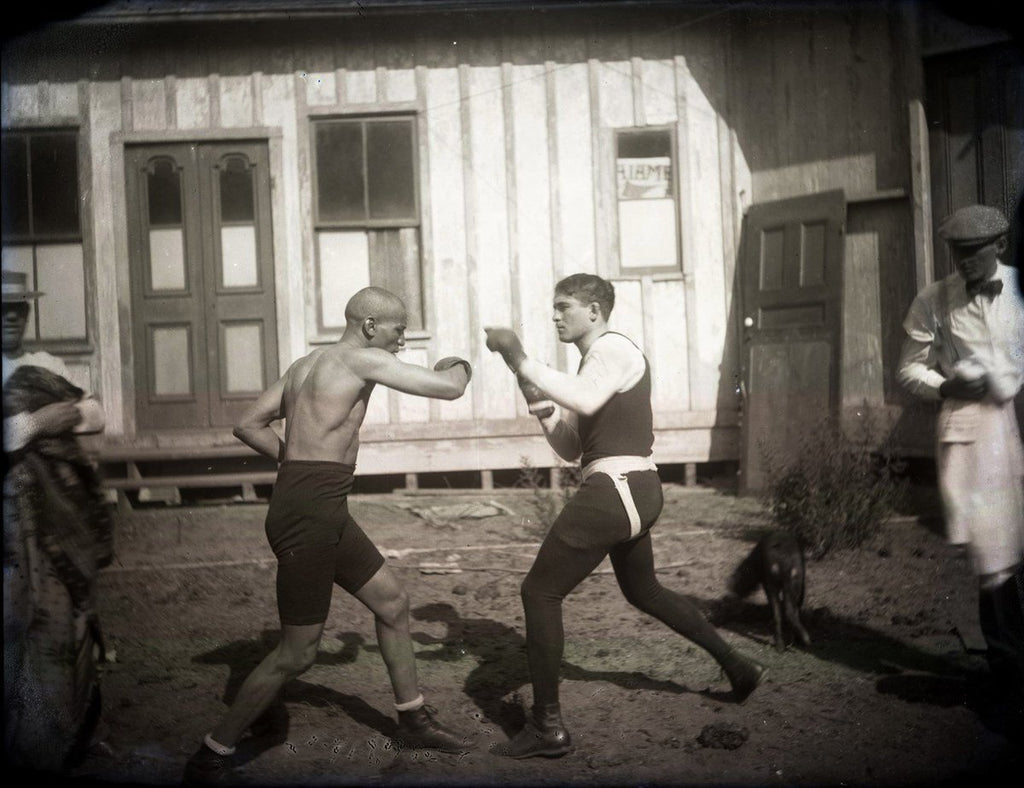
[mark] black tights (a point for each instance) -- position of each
(560, 567)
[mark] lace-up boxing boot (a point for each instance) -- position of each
(417, 729)
(544, 734)
(744, 675)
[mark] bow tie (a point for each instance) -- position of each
(991, 288)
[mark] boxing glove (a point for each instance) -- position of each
(506, 342)
(450, 361)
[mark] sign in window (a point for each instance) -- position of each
(647, 211)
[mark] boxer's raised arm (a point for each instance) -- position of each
(380, 366)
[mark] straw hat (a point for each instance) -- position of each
(15, 287)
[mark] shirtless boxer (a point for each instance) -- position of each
(322, 399)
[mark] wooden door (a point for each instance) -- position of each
(204, 336)
(791, 300)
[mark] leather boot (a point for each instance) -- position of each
(207, 768)
(544, 734)
(744, 675)
(418, 730)
(1001, 615)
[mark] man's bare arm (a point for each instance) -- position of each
(254, 429)
(379, 366)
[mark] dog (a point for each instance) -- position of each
(776, 564)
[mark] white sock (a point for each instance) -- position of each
(217, 747)
(410, 705)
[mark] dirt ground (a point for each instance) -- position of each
(883, 696)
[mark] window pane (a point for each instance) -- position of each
(239, 267)
(339, 172)
(644, 144)
(389, 167)
(164, 188)
(62, 277)
(54, 162)
(243, 349)
(14, 171)
(167, 259)
(19, 258)
(344, 269)
(236, 191)
(644, 165)
(395, 266)
(647, 233)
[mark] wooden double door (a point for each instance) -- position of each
(204, 336)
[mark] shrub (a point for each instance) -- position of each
(547, 503)
(835, 491)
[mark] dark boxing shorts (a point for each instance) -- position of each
(315, 539)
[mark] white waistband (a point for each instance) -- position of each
(613, 466)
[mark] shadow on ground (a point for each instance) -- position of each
(271, 729)
(501, 671)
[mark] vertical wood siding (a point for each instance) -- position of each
(443, 122)
(517, 170)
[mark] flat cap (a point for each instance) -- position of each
(972, 225)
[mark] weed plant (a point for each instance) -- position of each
(836, 490)
(546, 502)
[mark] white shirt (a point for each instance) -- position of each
(612, 364)
(944, 326)
(38, 359)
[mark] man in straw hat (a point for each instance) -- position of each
(57, 535)
(965, 347)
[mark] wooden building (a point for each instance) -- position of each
(200, 186)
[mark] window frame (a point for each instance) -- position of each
(63, 346)
(363, 118)
(412, 113)
(675, 269)
(34, 237)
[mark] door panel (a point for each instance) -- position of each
(240, 293)
(204, 336)
(791, 286)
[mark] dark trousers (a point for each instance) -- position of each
(1001, 614)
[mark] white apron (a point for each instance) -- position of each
(981, 477)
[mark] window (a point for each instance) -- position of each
(366, 213)
(42, 234)
(648, 214)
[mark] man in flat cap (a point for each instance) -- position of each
(965, 347)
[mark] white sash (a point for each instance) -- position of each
(616, 468)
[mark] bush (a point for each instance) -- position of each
(547, 503)
(835, 492)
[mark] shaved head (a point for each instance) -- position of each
(373, 302)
